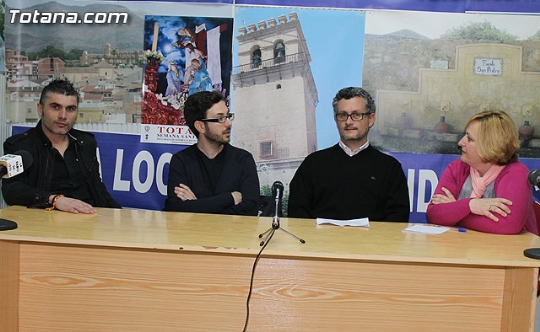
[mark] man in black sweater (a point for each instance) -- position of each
(351, 179)
(212, 176)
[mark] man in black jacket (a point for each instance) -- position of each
(64, 174)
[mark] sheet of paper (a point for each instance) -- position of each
(363, 222)
(426, 229)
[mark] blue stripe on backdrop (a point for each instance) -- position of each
(136, 173)
(230, 2)
(504, 6)
(457, 6)
(450, 6)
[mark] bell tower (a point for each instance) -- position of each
(274, 97)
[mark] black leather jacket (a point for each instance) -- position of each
(31, 188)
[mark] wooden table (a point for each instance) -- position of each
(137, 270)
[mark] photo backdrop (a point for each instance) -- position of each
(109, 65)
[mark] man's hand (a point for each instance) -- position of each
(184, 193)
(73, 205)
(237, 196)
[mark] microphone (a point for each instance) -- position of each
(14, 164)
(277, 190)
(277, 193)
(534, 177)
(10, 166)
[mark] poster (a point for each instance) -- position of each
(183, 55)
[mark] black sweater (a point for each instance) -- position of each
(239, 173)
(330, 184)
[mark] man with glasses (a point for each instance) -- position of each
(212, 176)
(351, 179)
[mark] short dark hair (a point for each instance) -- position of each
(351, 92)
(196, 106)
(59, 86)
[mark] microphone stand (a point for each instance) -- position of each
(275, 225)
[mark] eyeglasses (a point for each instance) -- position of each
(343, 116)
(220, 119)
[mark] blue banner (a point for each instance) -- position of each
(136, 173)
(450, 6)
(457, 6)
(503, 6)
(190, 1)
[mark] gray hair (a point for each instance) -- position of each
(351, 92)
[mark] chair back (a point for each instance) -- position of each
(536, 206)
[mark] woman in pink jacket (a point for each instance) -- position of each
(487, 188)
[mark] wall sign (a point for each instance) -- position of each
(488, 66)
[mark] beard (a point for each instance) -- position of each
(219, 138)
(358, 136)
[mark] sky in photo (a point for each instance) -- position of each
(335, 39)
